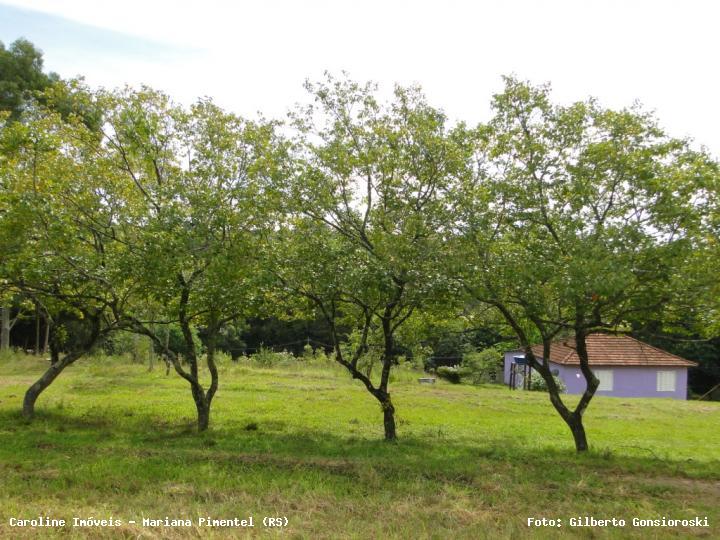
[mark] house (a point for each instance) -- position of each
(625, 367)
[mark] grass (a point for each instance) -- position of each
(304, 441)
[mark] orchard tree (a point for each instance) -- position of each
(21, 80)
(155, 218)
(200, 207)
(55, 222)
(578, 218)
(370, 198)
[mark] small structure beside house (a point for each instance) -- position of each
(625, 367)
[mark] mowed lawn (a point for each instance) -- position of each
(304, 441)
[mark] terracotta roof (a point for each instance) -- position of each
(609, 350)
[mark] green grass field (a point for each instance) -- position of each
(304, 441)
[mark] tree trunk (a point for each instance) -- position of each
(5, 330)
(578, 431)
(212, 367)
(202, 400)
(54, 352)
(384, 396)
(203, 411)
(43, 382)
(389, 419)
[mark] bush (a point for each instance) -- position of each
(410, 364)
(538, 384)
(222, 358)
(450, 373)
(316, 356)
(269, 358)
(308, 353)
(482, 366)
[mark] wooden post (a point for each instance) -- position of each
(46, 341)
(5, 330)
(37, 329)
(529, 376)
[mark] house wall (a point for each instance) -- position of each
(628, 381)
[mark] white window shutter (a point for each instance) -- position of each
(605, 376)
(666, 380)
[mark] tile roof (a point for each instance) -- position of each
(609, 350)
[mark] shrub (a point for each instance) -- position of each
(222, 358)
(482, 366)
(308, 353)
(450, 373)
(268, 358)
(538, 384)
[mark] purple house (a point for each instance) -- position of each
(625, 367)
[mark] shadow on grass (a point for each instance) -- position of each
(229, 447)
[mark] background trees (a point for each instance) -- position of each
(22, 78)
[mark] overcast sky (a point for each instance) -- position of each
(254, 56)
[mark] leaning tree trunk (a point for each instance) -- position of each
(573, 419)
(58, 364)
(45, 380)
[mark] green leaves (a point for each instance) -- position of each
(590, 205)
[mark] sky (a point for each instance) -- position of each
(252, 56)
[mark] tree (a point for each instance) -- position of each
(368, 216)
(196, 211)
(578, 219)
(52, 214)
(24, 88)
(155, 218)
(21, 77)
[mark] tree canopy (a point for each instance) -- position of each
(22, 78)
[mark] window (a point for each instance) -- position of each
(605, 376)
(666, 380)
